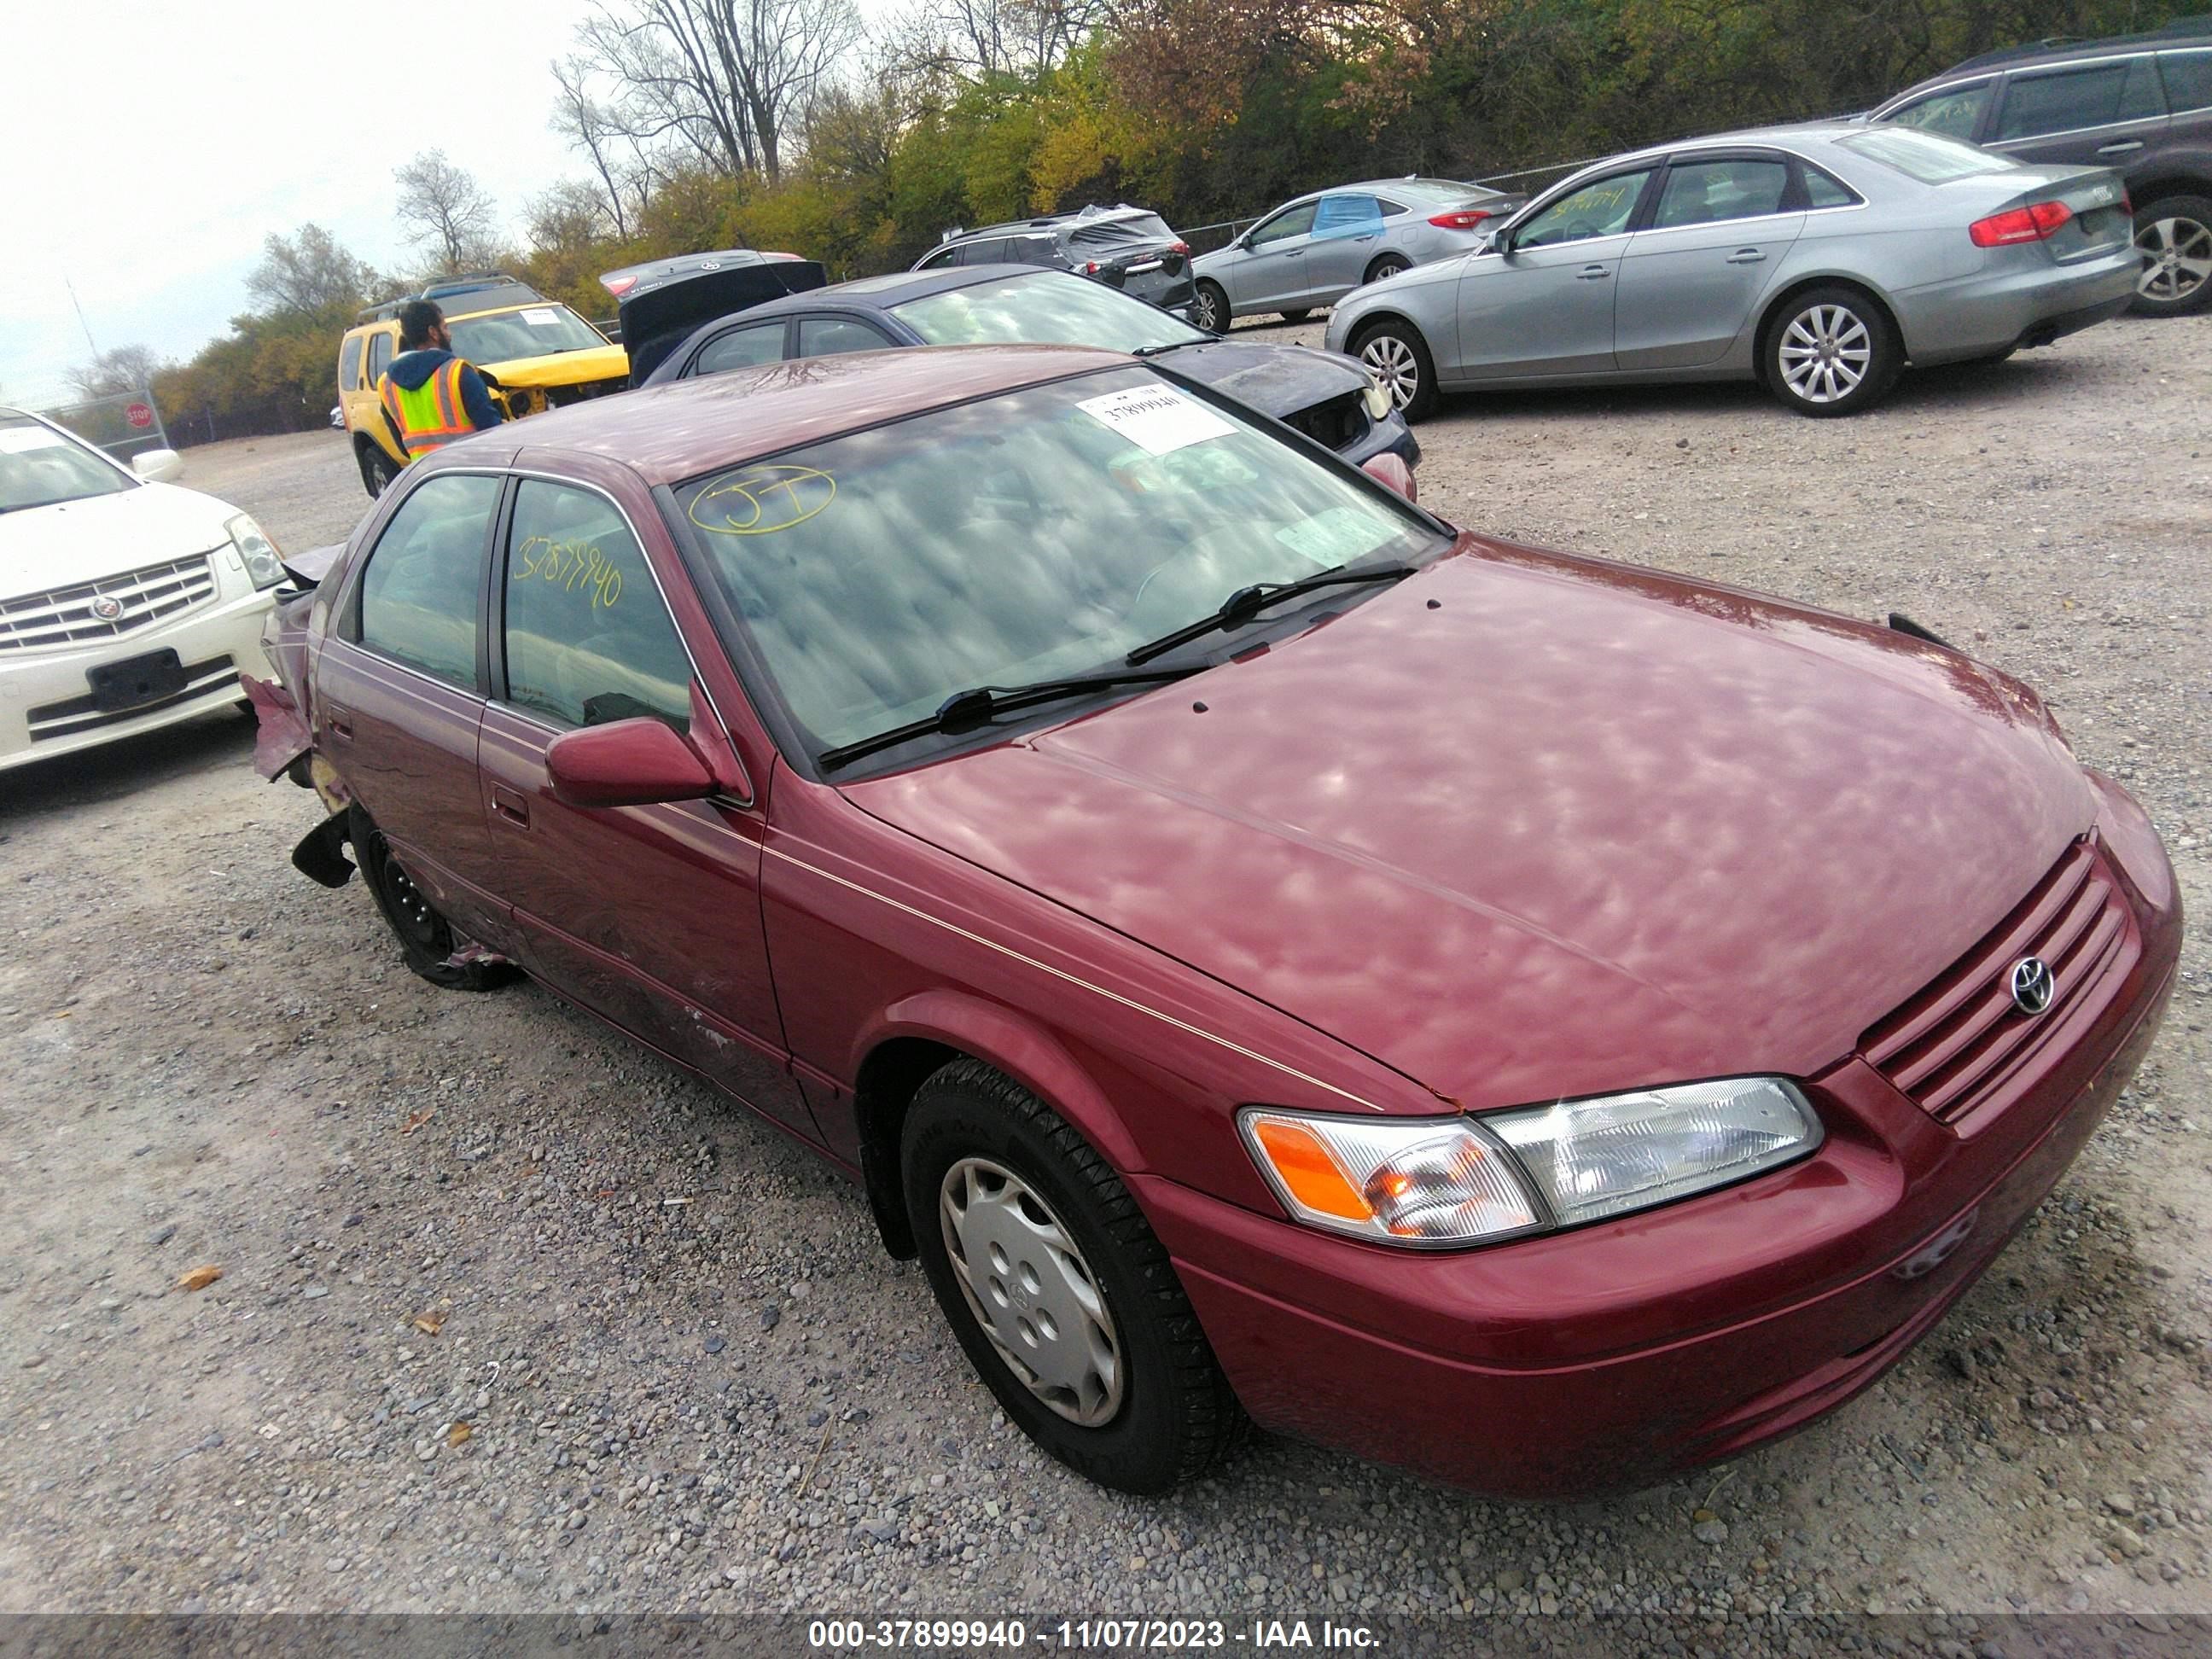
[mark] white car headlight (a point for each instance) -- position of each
(1376, 399)
(1439, 1182)
(259, 553)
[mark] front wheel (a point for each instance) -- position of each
(2174, 236)
(1297, 316)
(1211, 308)
(1064, 1301)
(377, 469)
(426, 938)
(1832, 351)
(1399, 358)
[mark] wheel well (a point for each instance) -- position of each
(1381, 260)
(885, 1088)
(1366, 325)
(1781, 301)
(2179, 183)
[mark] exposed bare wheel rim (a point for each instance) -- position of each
(1395, 367)
(2177, 258)
(1032, 1293)
(1825, 351)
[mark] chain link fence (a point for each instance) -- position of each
(125, 424)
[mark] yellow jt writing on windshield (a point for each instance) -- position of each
(756, 500)
(576, 566)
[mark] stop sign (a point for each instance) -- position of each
(139, 415)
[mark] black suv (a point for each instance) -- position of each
(2141, 104)
(1123, 247)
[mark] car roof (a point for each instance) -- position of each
(1788, 136)
(885, 292)
(2182, 31)
(678, 430)
(1090, 216)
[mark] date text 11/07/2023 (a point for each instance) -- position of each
(1088, 1635)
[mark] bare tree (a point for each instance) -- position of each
(569, 215)
(309, 271)
(729, 80)
(444, 212)
(126, 368)
(1022, 38)
(590, 127)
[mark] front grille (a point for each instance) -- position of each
(66, 719)
(1335, 424)
(1956, 1045)
(64, 616)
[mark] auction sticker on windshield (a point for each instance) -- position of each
(542, 317)
(1156, 419)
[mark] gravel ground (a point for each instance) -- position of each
(511, 1317)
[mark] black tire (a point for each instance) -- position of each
(1825, 336)
(1388, 264)
(378, 469)
(2174, 234)
(426, 938)
(1398, 357)
(1174, 1415)
(1209, 309)
(1297, 316)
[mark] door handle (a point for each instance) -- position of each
(2120, 149)
(1293, 253)
(1746, 256)
(1369, 237)
(338, 719)
(1589, 273)
(509, 804)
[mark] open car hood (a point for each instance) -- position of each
(659, 314)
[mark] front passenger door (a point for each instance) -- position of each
(649, 915)
(1544, 306)
(1272, 272)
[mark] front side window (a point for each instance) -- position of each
(1956, 111)
(826, 336)
(1043, 532)
(533, 332)
(587, 637)
(1292, 221)
(2089, 95)
(742, 348)
(1926, 156)
(1047, 308)
(1600, 207)
(39, 467)
(419, 594)
(1708, 192)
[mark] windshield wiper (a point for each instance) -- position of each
(1173, 345)
(1246, 603)
(979, 705)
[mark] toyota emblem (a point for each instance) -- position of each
(106, 607)
(2032, 985)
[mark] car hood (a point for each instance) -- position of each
(1525, 827)
(43, 548)
(581, 367)
(1275, 380)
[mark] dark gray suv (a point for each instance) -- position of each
(2141, 104)
(1123, 247)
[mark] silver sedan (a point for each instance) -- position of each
(1818, 259)
(1316, 250)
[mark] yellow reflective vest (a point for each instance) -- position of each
(430, 414)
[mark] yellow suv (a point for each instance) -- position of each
(533, 352)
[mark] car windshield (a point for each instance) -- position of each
(1050, 308)
(1043, 532)
(533, 331)
(1928, 156)
(39, 467)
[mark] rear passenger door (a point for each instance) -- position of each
(1691, 277)
(399, 703)
(750, 347)
(2103, 113)
(649, 915)
(1346, 230)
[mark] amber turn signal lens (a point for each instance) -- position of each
(1308, 1170)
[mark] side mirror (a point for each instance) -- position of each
(633, 762)
(1393, 473)
(157, 465)
(1488, 242)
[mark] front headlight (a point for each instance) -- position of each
(1376, 399)
(1439, 1182)
(259, 553)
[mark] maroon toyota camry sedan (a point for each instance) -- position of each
(1273, 955)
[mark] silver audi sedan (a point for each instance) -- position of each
(1817, 259)
(1313, 251)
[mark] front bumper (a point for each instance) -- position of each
(46, 706)
(1611, 1357)
(2000, 307)
(1388, 436)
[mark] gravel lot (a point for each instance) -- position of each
(511, 1317)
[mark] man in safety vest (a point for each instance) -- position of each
(430, 396)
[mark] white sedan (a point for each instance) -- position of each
(126, 603)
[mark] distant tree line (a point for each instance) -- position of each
(785, 125)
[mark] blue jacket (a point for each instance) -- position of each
(411, 368)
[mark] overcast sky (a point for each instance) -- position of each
(146, 149)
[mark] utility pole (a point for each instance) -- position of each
(80, 323)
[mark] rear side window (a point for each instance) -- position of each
(1926, 156)
(350, 363)
(587, 637)
(989, 252)
(2088, 95)
(1956, 111)
(1823, 189)
(1709, 192)
(419, 593)
(2188, 80)
(825, 337)
(742, 348)
(380, 356)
